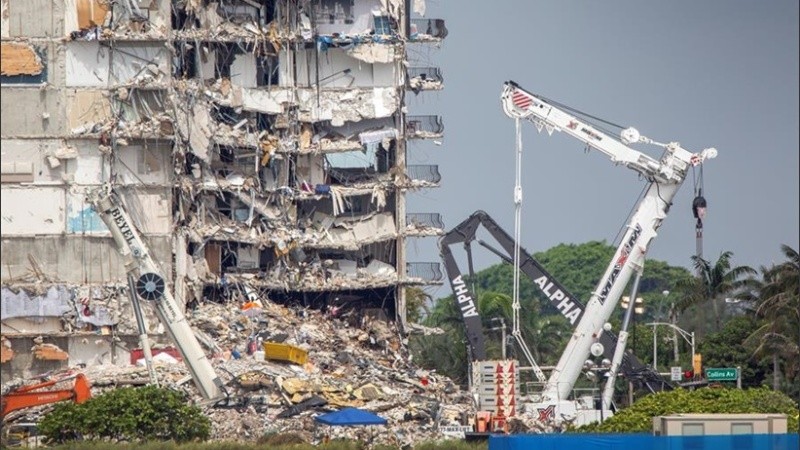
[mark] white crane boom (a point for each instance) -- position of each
(665, 176)
(152, 286)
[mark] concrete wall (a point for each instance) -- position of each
(31, 211)
(34, 152)
(36, 18)
(27, 119)
(82, 349)
(331, 64)
(74, 259)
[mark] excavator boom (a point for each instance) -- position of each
(30, 396)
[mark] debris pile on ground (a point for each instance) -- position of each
(353, 360)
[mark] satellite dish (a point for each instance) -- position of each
(596, 349)
(150, 286)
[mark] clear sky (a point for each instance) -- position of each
(710, 73)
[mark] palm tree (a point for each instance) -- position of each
(779, 305)
(714, 283)
(417, 301)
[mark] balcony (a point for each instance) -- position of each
(424, 127)
(424, 224)
(424, 79)
(427, 30)
(423, 173)
(429, 220)
(424, 272)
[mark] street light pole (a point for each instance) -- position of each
(687, 336)
(655, 346)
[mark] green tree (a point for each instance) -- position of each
(417, 301)
(778, 304)
(128, 414)
(725, 348)
(714, 283)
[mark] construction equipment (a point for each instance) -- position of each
(664, 176)
(151, 286)
(559, 296)
(32, 395)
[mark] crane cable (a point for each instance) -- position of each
(699, 205)
(515, 306)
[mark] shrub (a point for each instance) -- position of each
(128, 414)
(638, 418)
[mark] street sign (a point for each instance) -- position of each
(726, 374)
(675, 373)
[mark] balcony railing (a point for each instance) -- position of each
(424, 78)
(424, 220)
(426, 73)
(429, 173)
(422, 127)
(427, 29)
(428, 271)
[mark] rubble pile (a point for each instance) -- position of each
(353, 361)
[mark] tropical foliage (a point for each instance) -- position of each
(638, 418)
(740, 317)
(714, 284)
(778, 306)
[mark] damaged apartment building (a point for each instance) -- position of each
(261, 146)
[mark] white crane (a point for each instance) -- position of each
(665, 175)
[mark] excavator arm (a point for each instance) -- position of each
(30, 396)
(559, 297)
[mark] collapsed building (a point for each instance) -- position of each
(259, 145)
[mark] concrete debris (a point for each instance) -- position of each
(247, 170)
(49, 352)
(353, 360)
(6, 353)
(374, 53)
(418, 84)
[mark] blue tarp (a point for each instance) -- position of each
(351, 416)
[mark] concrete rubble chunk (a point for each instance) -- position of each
(49, 352)
(351, 362)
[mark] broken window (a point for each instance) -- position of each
(22, 63)
(133, 62)
(267, 70)
(427, 29)
(232, 208)
(184, 61)
(236, 160)
(138, 105)
(274, 174)
(383, 25)
(357, 204)
(344, 17)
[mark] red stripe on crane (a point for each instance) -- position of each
(521, 100)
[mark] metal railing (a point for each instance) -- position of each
(422, 126)
(426, 73)
(432, 220)
(429, 173)
(428, 271)
(430, 28)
